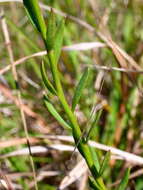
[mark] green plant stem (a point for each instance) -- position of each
(82, 146)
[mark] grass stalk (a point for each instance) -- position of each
(82, 146)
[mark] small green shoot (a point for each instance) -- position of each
(55, 114)
(46, 81)
(89, 132)
(95, 158)
(59, 40)
(51, 28)
(124, 181)
(34, 13)
(79, 89)
(94, 185)
(105, 163)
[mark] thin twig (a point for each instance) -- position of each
(22, 60)
(102, 67)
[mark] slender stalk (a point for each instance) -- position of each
(82, 146)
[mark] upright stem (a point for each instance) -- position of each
(82, 146)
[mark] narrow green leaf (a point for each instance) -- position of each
(34, 13)
(93, 184)
(59, 40)
(51, 30)
(55, 114)
(105, 163)
(79, 89)
(90, 131)
(124, 181)
(95, 158)
(46, 81)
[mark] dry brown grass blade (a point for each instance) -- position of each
(21, 60)
(84, 46)
(83, 181)
(17, 142)
(25, 151)
(38, 150)
(121, 60)
(73, 175)
(5, 181)
(42, 174)
(122, 57)
(106, 68)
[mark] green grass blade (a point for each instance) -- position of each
(34, 13)
(51, 30)
(124, 181)
(95, 158)
(105, 163)
(93, 184)
(46, 81)
(59, 40)
(79, 89)
(91, 130)
(55, 114)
